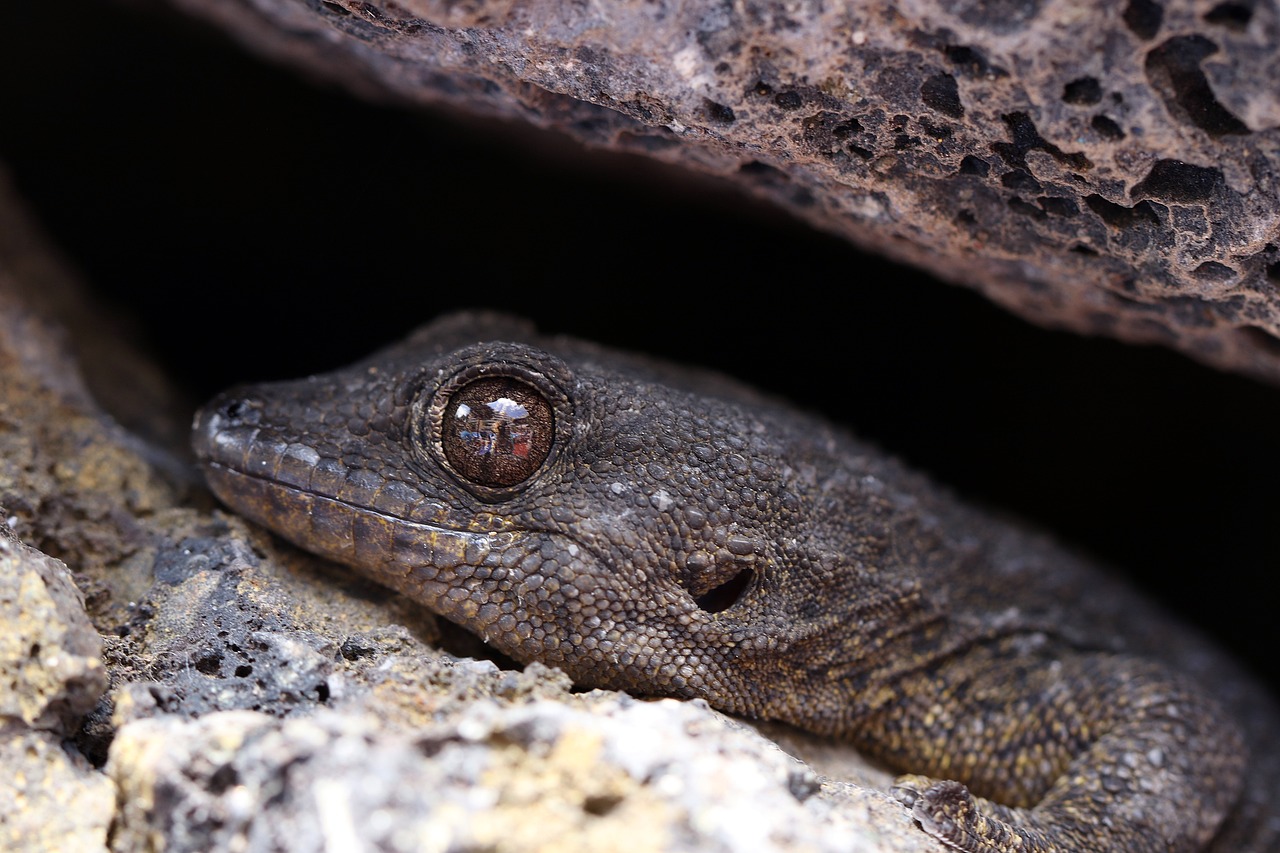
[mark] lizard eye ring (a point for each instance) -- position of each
(492, 426)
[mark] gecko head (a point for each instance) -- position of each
(641, 526)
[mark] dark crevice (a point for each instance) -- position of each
(757, 168)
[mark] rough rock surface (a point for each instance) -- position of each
(259, 699)
(1107, 167)
(596, 772)
(51, 674)
(50, 656)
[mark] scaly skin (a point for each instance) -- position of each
(669, 532)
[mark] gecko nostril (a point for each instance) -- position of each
(243, 410)
(727, 594)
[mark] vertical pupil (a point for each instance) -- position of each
(497, 432)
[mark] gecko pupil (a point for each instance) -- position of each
(497, 432)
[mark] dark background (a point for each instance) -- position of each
(262, 227)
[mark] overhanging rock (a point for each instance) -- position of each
(1109, 168)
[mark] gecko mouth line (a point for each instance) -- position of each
(416, 533)
(236, 474)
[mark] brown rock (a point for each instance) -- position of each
(1107, 168)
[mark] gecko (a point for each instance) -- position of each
(670, 532)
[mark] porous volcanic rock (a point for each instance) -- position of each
(1105, 167)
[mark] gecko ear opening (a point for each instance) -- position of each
(727, 594)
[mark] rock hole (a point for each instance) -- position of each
(209, 664)
(1273, 272)
(244, 671)
(1143, 18)
(1106, 128)
(223, 779)
(1235, 16)
(1020, 180)
(1017, 205)
(718, 113)
(1025, 137)
(972, 61)
(600, 805)
(802, 786)
(322, 692)
(1174, 180)
(335, 8)
(941, 93)
(354, 648)
(936, 132)
(846, 128)
(727, 594)
(971, 165)
(1085, 90)
(1173, 69)
(1212, 271)
(1058, 206)
(789, 100)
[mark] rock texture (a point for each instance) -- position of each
(1106, 167)
(214, 690)
(52, 673)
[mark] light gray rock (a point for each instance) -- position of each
(599, 773)
(50, 655)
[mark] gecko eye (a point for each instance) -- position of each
(496, 432)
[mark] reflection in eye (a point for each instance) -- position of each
(500, 431)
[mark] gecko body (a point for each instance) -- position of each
(667, 531)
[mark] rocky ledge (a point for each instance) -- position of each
(1105, 167)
